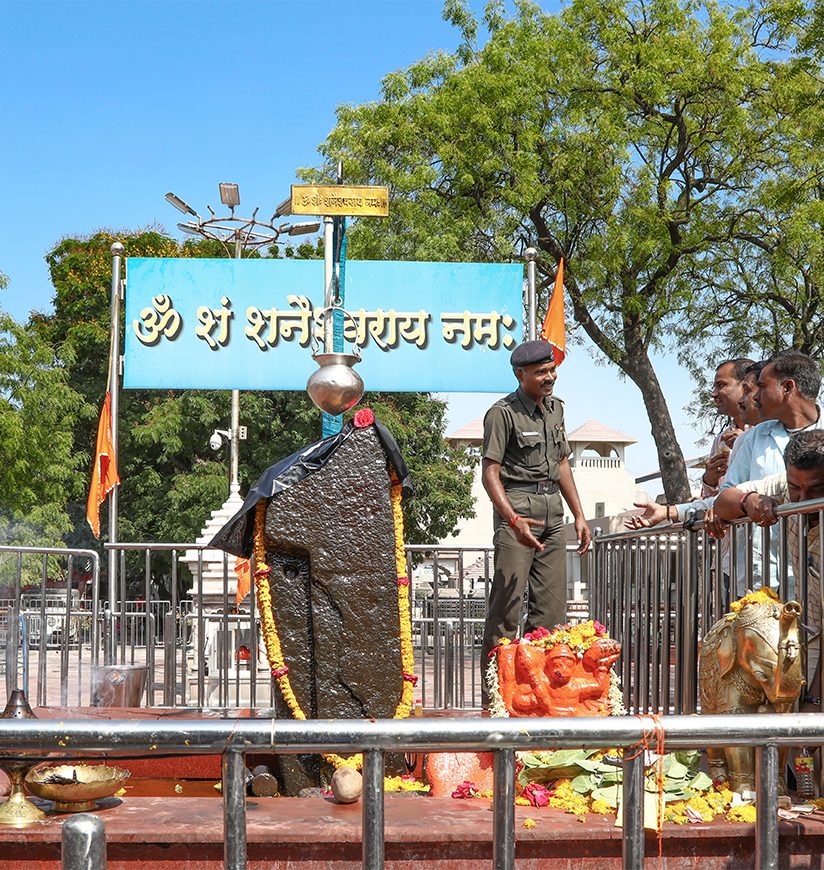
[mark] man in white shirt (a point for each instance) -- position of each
(786, 393)
(802, 481)
(727, 394)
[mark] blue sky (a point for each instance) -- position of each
(108, 105)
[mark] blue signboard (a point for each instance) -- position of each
(251, 324)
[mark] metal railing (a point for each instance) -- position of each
(25, 621)
(190, 643)
(503, 737)
(660, 590)
(193, 660)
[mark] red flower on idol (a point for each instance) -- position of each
(363, 418)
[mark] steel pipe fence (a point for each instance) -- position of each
(50, 637)
(659, 591)
(450, 588)
(503, 737)
(199, 648)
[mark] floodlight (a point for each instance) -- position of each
(179, 204)
(229, 194)
(191, 229)
(302, 229)
(284, 208)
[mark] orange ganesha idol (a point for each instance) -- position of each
(565, 672)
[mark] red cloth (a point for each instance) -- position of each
(104, 472)
(553, 329)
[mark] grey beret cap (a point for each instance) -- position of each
(531, 352)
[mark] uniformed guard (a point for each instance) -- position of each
(526, 470)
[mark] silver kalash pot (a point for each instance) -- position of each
(335, 387)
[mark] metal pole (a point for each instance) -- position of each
(330, 424)
(328, 281)
(117, 250)
(373, 809)
(234, 445)
(234, 810)
(503, 808)
(633, 811)
(84, 843)
(531, 255)
(766, 823)
(234, 427)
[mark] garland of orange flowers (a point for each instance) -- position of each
(271, 638)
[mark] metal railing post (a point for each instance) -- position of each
(689, 637)
(83, 843)
(234, 810)
(632, 848)
(503, 807)
(169, 660)
(373, 764)
(766, 823)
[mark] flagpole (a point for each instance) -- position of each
(531, 255)
(114, 391)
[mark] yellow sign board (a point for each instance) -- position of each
(351, 200)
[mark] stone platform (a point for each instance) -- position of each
(172, 817)
(313, 833)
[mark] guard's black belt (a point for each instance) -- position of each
(543, 487)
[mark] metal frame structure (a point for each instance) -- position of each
(503, 737)
(659, 590)
(14, 623)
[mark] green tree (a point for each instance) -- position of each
(37, 408)
(615, 135)
(763, 285)
(38, 475)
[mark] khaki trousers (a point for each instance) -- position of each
(519, 569)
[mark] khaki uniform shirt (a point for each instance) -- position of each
(528, 444)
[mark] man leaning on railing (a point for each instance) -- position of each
(785, 393)
(803, 480)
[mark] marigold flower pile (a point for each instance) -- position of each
(578, 637)
(764, 595)
(560, 795)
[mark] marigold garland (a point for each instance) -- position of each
(271, 638)
(764, 595)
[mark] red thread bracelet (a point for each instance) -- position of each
(514, 520)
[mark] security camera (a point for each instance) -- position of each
(215, 441)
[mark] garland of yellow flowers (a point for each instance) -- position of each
(271, 638)
(764, 595)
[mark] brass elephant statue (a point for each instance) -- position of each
(750, 662)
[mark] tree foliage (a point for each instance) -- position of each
(763, 285)
(39, 471)
(621, 136)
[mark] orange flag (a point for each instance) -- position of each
(243, 569)
(104, 473)
(553, 329)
